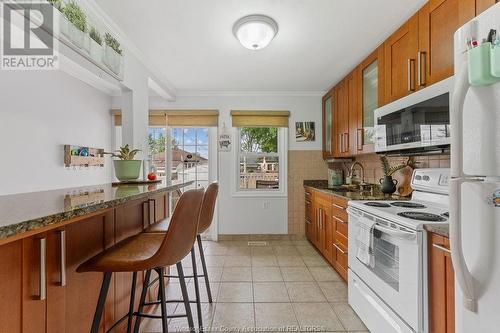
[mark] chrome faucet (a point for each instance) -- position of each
(351, 171)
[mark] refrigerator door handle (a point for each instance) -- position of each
(462, 273)
(456, 119)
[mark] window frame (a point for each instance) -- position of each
(282, 156)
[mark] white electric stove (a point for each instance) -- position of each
(388, 254)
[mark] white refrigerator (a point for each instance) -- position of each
(475, 185)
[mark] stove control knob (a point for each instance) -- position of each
(427, 178)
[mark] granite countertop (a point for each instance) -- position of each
(440, 229)
(375, 194)
(24, 212)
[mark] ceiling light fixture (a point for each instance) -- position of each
(255, 32)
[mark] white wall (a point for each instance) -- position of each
(40, 111)
(243, 215)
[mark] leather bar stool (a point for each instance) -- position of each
(206, 217)
(147, 252)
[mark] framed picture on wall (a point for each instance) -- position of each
(305, 131)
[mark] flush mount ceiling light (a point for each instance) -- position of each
(255, 32)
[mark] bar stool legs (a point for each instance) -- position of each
(185, 296)
(144, 291)
(204, 266)
(163, 299)
(101, 302)
(197, 290)
(131, 304)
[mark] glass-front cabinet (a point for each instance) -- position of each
(371, 98)
(328, 125)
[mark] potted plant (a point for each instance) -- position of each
(63, 22)
(78, 26)
(112, 53)
(95, 47)
(126, 168)
(387, 184)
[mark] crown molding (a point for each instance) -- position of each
(129, 45)
(228, 93)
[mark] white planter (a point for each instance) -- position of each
(76, 36)
(112, 59)
(95, 51)
(63, 24)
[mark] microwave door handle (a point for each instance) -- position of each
(462, 273)
(398, 233)
(456, 119)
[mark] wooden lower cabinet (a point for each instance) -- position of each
(50, 259)
(326, 227)
(441, 286)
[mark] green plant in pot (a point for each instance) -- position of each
(112, 53)
(126, 168)
(95, 47)
(76, 30)
(387, 184)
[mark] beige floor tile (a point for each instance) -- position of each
(266, 274)
(214, 288)
(286, 251)
(237, 261)
(262, 250)
(264, 261)
(274, 316)
(296, 274)
(304, 292)
(290, 261)
(317, 317)
(181, 324)
(348, 317)
(150, 325)
(280, 242)
(239, 251)
(324, 274)
(307, 250)
(233, 317)
(301, 242)
(214, 274)
(237, 274)
(313, 261)
(213, 250)
(236, 292)
(334, 291)
(272, 292)
(215, 261)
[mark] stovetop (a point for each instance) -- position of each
(413, 214)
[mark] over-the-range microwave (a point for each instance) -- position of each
(418, 122)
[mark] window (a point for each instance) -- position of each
(260, 159)
(157, 148)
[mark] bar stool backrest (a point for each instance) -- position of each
(208, 207)
(182, 231)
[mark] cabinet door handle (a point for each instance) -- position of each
(339, 220)
(341, 144)
(360, 139)
(338, 248)
(411, 63)
(154, 210)
(42, 288)
(422, 67)
(337, 206)
(346, 142)
(441, 248)
(62, 249)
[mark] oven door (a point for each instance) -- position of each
(395, 271)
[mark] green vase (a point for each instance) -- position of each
(127, 170)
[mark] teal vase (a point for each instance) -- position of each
(127, 170)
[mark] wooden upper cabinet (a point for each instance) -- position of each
(438, 21)
(482, 5)
(370, 96)
(328, 123)
(400, 53)
(353, 113)
(341, 128)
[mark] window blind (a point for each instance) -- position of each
(244, 118)
(178, 118)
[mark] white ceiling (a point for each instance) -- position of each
(319, 41)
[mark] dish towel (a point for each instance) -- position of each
(364, 239)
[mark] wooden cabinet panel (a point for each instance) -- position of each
(11, 287)
(341, 130)
(328, 229)
(353, 114)
(482, 5)
(33, 307)
(328, 124)
(131, 219)
(441, 286)
(400, 51)
(438, 21)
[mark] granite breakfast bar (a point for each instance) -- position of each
(44, 236)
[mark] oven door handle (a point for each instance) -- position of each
(398, 233)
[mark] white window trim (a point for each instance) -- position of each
(283, 169)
